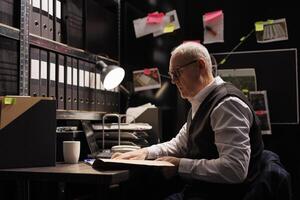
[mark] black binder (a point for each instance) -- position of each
(98, 103)
(44, 18)
(6, 12)
(58, 20)
(75, 84)
(61, 82)
(116, 101)
(92, 93)
(52, 74)
(108, 101)
(9, 66)
(68, 70)
(86, 92)
(81, 98)
(43, 73)
(34, 79)
(35, 22)
(101, 96)
(73, 15)
(50, 20)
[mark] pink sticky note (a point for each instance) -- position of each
(197, 41)
(147, 71)
(155, 18)
(212, 15)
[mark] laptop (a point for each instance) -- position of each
(96, 152)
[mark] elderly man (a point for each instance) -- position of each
(217, 151)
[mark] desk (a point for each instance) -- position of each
(63, 173)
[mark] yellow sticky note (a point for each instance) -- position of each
(9, 100)
(259, 26)
(169, 28)
(223, 61)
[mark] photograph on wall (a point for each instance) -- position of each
(156, 23)
(146, 79)
(243, 78)
(271, 31)
(213, 26)
(260, 105)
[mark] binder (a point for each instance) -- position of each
(34, 82)
(75, 84)
(9, 66)
(81, 98)
(43, 73)
(35, 22)
(73, 16)
(116, 100)
(52, 75)
(61, 82)
(44, 18)
(92, 92)
(98, 103)
(7, 12)
(50, 20)
(106, 98)
(58, 20)
(69, 83)
(87, 86)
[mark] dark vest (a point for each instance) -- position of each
(201, 143)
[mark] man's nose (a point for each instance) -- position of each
(173, 81)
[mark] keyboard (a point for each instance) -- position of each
(104, 154)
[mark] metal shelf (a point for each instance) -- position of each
(9, 32)
(65, 49)
(78, 115)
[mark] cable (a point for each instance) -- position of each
(242, 40)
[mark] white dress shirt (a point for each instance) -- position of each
(231, 120)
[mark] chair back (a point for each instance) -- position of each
(273, 183)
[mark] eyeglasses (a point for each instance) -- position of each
(175, 74)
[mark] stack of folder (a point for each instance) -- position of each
(45, 19)
(73, 82)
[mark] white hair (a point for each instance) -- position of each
(193, 50)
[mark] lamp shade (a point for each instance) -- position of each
(111, 76)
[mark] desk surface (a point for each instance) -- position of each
(80, 172)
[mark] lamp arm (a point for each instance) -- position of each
(124, 89)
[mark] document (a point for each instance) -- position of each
(114, 163)
(123, 126)
(134, 112)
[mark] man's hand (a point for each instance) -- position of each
(140, 154)
(169, 172)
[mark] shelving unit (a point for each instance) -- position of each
(27, 40)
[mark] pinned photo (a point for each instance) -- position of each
(146, 79)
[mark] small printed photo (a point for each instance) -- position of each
(146, 79)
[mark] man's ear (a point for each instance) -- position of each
(201, 64)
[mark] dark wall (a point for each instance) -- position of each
(239, 19)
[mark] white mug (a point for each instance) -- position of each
(71, 151)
